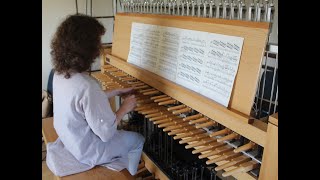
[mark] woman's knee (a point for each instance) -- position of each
(138, 139)
(132, 139)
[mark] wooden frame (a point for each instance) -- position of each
(255, 38)
(269, 168)
(233, 120)
(237, 116)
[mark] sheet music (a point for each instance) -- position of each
(168, 55)
(204, 62)
(220, 66)
(150, 47)
(190, 62)
(136, 44)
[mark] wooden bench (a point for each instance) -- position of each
(98, 172)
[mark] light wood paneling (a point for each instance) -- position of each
(237, 122)
(254, 33)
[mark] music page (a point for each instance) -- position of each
(206, 63)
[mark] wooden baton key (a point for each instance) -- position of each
(159, 97)
(201, 142)
(245, 147)
(233, 161)
(224, 156)
(207, 124)
(221, 132)
(218, 150)
(197, 116)
(176, 107)
(204, 119)
(228, 137)
(209, 146)
(195, 138)
(244, 167)
(173, 101)
(190, 133)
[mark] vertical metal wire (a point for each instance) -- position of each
(171, 150)
(258, 88)
(264, 81)
(276, 101)
(273, 81)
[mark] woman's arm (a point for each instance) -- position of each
(116, 92)
(128, 105)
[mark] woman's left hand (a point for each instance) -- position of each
(126, 91)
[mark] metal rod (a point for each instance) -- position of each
(199, 9)
(276, 101)
(204, 12)
(266, 7)
(250, 14)
(218, 9)
(273, 81)
(210, 9)
(264, 81)
(153, 138)
(202, 169)
(166, 149)
(77, 6)
(188, 6)
(160, 144)
(171, 148)
(192, 9)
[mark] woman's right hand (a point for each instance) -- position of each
(129, 103)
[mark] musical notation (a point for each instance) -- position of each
(216, 76)
(167, 72)
(204, 62)
(215, 88)
(194, 41)
(219, 44)
(191, 59)
(192, 50)
(189, 68)
(189, 77)
(221, 66)
(136, 43)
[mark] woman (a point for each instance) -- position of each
(83, 119)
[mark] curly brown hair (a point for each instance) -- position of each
(76, 44)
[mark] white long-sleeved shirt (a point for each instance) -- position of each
(85, 124)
